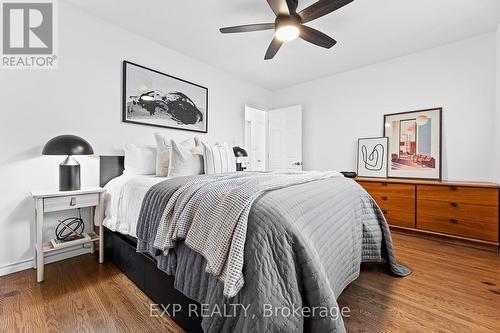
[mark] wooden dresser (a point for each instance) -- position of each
(464, 211)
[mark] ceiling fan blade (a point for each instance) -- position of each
(279, 7)
(292, 6)
(247, 28)
(273, 48)
(321, 8)
(316, 37)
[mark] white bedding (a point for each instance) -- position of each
(123, 199)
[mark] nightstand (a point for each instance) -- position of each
(55, 201)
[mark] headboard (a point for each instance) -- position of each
(110, 167)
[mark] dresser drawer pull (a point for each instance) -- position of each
(384, 198)
(384, 184)
(384, 211)
(453, 188)
(454, 204)
(453, 221)
(72, 202)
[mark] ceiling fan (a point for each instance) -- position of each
(289, 24)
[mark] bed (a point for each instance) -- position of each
(303, 244)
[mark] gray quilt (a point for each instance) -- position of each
(211, 216)
(304, 245)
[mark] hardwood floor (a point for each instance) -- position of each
(452, 289)
(78, 295)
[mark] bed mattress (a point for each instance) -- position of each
(123, 199)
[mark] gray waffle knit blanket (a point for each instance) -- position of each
(303, 245)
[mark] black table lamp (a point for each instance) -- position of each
(69, 169)
(239, 152)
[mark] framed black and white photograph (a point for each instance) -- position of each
(372, 157)
(156, 99)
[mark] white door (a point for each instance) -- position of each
(285, 138)
(255, 138)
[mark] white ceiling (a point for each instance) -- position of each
(367, 31)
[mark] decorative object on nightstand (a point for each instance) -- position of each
(70, 230)
(239, 152)
(69, 169)
(55, 201)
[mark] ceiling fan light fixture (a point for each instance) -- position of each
(287, 33)
(288, 24)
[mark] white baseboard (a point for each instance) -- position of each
(49, 258)
(16, 267)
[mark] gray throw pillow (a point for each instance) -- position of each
(164, 150)
(183, 162)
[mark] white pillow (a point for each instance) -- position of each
(164, 150)
(139, 160)
(183, 162)
(219, 158)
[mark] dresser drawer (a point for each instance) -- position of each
(469, 195)
(70, 202)
(466, 220)
(382, 188)
(399, 218)
(394, 202)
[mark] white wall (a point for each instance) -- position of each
(83, 97)
(497, 113)
(460, 77)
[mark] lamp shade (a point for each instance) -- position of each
(67, 145)
(240, 152)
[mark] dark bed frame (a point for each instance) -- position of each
(141, 268)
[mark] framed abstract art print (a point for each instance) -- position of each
(372, 157)
(414, 144)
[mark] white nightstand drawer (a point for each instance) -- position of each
(70, 202)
